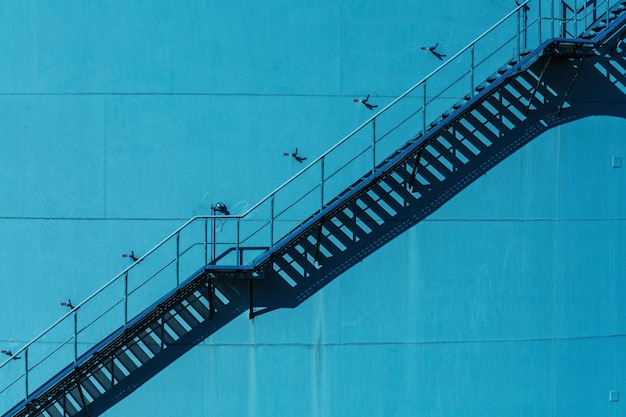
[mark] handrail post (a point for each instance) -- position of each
(575, 18)
(26, 372)
(206, 241)
(424, 107)
(322, 180)
(374, 145)
(213, 239)
(272, 220)
(563, 19)
(126, 298)
(472, 80)
(177, 259)
(552, 8)
(540, 21)
(75, 335)
(238, 234)
(525, 27)
(519, 33)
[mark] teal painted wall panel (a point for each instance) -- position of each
(122, 120)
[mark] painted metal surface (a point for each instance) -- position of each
(491, 306)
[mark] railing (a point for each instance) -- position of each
(225, 239)
(579, 14)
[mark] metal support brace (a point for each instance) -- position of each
(409, 186)
(317, 243)
(82, 398)
(251, 312)
(112, 371)
(536, 87)
(211, 293)
(569, 88)
(162, 332)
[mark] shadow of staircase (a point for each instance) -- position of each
(562, 81)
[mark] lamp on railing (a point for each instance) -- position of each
(9, 353)
(221, 208)
(130, 255)
(297, 157)
(365, 102)
(525, 8)
(433, 50)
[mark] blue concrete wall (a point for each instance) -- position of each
(120, 120)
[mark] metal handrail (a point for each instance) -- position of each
(384, 109)
(319, 162)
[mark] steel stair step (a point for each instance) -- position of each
(496, 121)
(404, 172)
(102, 378)
(139, 352)
(470, 137)
(457, 144)
(525, 84)
(302, 261)
(328, 244)
(450, 155)
(160, 333)
(116, 370)
(386, 196)
(459, 104)
(399, 188)
(351, 224)
(423, 171)
(67, 406)
(126, 361)
(486, 122)
(153, 345)
(364, 217)
(480, 87)
(174, 325)
(504, 111)
(229, 291)
(188, 317)
(338, 233)
(316, 252)
(200, 307)
(483, 130)
(287, 267)
(515, 102)
(76, 396)
(53, 411)
(436, 163)
(90, 387)
(373, 205)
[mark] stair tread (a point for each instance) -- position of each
(337, 233)
(386, 197)
(424, 172)
(351, 224)
(470, 137)
(457, 143)
(436, 163)
(482, 128)
(446, 153)
(310, 248)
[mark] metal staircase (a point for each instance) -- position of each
(412, 157)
